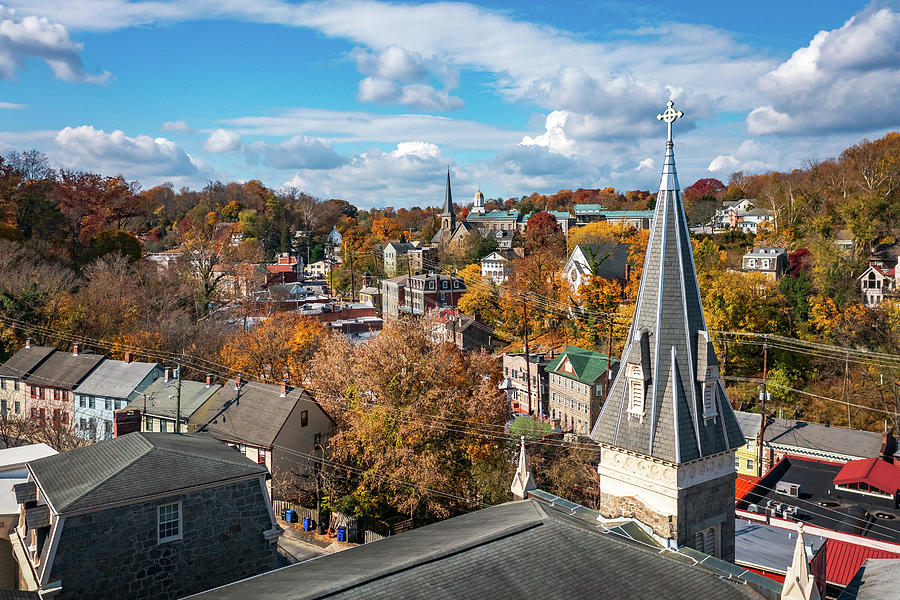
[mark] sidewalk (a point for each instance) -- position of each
(324, 544)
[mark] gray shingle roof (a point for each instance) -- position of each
(25, 492)
(668, 308)
(161, 401)
(877, 579)
(816, 438)
(256, 414)
(64, 369)
(135, 466)
(24, 361)
(749, 422)
(516, 550)
(115, 378)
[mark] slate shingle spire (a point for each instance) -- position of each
(448, 219)
(667, 401)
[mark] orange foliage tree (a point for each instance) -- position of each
(280, 347)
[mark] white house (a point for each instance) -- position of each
(609, 261)
(874, 284)
(318, 269)
(772, 262)
(497, 266)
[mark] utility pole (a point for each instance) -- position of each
(178, 396)
(352, 279)
(847, 386)
(527, 357)
(608, 361)
(331, 275)
(762, 398)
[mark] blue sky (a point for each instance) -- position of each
(371, 101)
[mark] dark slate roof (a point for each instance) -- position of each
(516, 550)
(821, 439)
(161, 401)
(37, 517)
(64, 369)
(25, 492)
(448, 197)
(135, 466)
(256, 414)
(19, 595)
(609, 259)
(669, 316)
(25, 361)
(115, 378)
(589, 366)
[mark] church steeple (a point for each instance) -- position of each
(667, 433)
(448, 219)
(668, 402)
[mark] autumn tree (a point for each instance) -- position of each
(385, 229)
(277, 348)
(542, 232)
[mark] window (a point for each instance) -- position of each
(304, 418)
(90, 402)
(737, 463)
(16, 386)
(705, 541)
(108, 428)
(33, 413)
(3, 407)
(148, 424)
(82, 402)
(635, 391)
(2, 384)
(262, 456)
(750, 464)
(82, 424)
(169, 519)
(17, 406)
(108, 403)
(55, 394)
(163, 426)
(41, 393)
(42, 414)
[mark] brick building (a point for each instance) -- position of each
(577, 383)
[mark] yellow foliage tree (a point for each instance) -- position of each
(280, 347)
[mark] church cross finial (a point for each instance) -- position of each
(669, 116)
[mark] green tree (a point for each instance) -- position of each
(112, 240)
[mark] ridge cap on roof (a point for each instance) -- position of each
(203, 456)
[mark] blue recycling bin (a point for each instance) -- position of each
(342, 534)
(290, 515)
(306, 524)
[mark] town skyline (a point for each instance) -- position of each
(372, 101)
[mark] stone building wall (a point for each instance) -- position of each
(115, 554)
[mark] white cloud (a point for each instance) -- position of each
(38, 37)
(418, 96)
(88, 148)
(846, 79)
(298, 152)
(646, 163)
(554, 137)
(12, 106)
(223, 141)
(394, 63)
(751, 156)
(177, 126)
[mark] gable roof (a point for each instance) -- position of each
(161, 401)
(750, 423)
(608, 260)
(400, 247)
(256, 413)
(135, 466)
(668, 340)
(822, 440)
(874, 471)
(588, 366)
(64, 369)
(25, 361)
(523, 549)
(115, 378)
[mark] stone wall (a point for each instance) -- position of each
(115, 554)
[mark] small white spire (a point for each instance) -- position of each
(522, 481)
(798, 583)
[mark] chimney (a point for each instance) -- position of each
(238, 382)
(209, 378)
(283, 388)
(76, 349)
(888, 445)
(167, 373)
(28, 343)
(127, 357)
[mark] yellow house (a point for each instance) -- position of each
(747, 456)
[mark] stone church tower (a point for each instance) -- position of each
(667, 432)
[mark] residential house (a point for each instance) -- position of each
(277, 426)
(885, 256)
(318, 270)
(844, 240)
(578, 380)
(393, 296)
(164, 260)
(467, 332)
(559, 551)
(876, 284)
(146, 515)
(395, 258)
(726, 216)
(370, 293)
(107, 390)
(518, 371)
(50, 388)
(497, 265)
(504, 239)
(159, 402)
(286, 269)
(772, 262)
(609, 261)
(357, 328)
(433, 290)
(13, 471)
(746, 458)
(12, 373)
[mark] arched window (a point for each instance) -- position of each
(706, 541)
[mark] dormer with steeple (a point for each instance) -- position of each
(667, 432)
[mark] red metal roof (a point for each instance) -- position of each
(281, 268)
(876, 472)
(743, 484)
(843, 559)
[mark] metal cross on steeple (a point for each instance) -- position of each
(669, 116)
